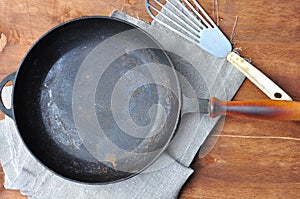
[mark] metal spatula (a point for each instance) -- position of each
(188, 19)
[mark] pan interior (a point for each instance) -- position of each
(96, 100)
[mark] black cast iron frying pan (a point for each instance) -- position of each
(68, 102)
(48, 91)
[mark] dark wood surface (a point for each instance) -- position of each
(251, 159)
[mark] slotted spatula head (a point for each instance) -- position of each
(188, 19)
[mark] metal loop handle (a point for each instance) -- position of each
(5, 110)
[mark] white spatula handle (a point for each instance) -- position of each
(258, 78)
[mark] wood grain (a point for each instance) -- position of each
(251, 159)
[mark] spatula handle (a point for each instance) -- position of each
(258, 78)
(258, 109)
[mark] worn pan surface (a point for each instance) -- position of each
(67, 119)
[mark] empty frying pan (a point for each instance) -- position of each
(97, 100)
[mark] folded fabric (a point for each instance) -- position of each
(24, 173)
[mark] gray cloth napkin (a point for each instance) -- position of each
(200, 75)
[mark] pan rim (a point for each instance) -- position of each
(17, 74)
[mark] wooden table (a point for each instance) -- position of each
(251, 158)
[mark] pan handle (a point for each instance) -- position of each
(9, 78)
(257, 109)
